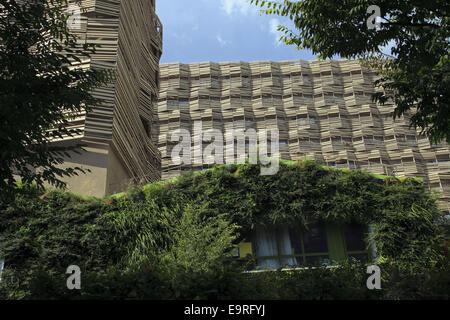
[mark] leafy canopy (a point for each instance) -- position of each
(40, 90)
(416, 73)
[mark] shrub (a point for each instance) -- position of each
(174, 239)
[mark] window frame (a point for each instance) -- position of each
(336, 247)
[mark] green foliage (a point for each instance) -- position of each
(346, 281)
(174, 239)
(416, 74)
(200, 254)
(39, 90)
(433, 283)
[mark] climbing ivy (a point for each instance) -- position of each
(179, 234)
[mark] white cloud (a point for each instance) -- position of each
(242, 6)
(222, 42)
(273, 26)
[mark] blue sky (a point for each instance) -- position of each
(220, 31)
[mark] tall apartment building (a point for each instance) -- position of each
(117, 133)
(322, 109)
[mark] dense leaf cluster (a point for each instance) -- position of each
(409, 49)
(174, 239)
(42, 88)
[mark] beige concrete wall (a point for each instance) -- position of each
(95, 159)
(107, 174)
(93, 183)
(117, 177)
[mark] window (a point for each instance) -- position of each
(336, 139)
(171, 102)
(288, 246)
(354, 241)
(245, 81)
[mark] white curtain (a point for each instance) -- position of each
(286, 247)
(266, 245)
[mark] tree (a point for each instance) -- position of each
(415, 76)
(40, 91)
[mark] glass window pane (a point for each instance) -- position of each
(284, 241)
(266, 242)
(268, 264)
(354, 237)
(318, 260)
(295, 237)
(291, 262)
(315, 239)
(289, 239)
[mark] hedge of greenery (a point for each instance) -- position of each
(173, 239)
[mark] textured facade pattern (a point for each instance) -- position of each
(128, 36)
(323, 111)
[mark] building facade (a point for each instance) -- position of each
(128, 36)
(322, 109)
